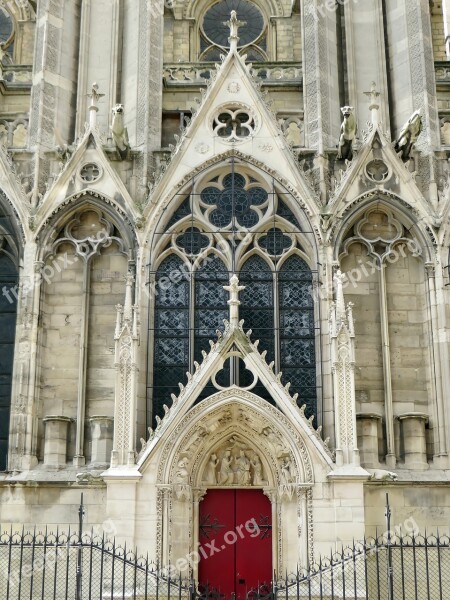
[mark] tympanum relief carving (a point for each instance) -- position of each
(234, 464)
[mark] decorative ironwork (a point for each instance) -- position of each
(44, 565)
(208, 526)
(264, 527)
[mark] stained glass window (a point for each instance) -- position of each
(210, 310)
(277, 303)
(214, 32)
(171, 347)
(297, 331)
(8, 311)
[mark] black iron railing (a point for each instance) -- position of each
(61, 566)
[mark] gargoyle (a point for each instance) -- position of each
(408, 135)
(349, 129)
(119, 132)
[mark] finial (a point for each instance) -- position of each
(374, 106)
(234, 25)
(234, 288)
(339, 279)
(93, 108)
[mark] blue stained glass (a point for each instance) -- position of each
(257, 196)
(239, 180)
(235, 201)
(210, 195)
(192, 241)
(275, 242)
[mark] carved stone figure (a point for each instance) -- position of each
(119, 132)
(243, 469)
(210, 470)
(349, 129)
(182, 474)
(293, 134)
(408, 135)
(286, 475)
(382, 475)
(257, 471)
(276, 443)
(226, 475)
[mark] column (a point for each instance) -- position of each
(367, 425)
(414, 440)
(55, 448)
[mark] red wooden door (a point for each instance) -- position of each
(235, 542)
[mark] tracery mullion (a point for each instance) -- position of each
(276, 311)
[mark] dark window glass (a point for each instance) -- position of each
(218, 33)
(211, 309)
(171, 347)
(297, 332)
(8, 309)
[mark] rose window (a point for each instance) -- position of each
(234, 201)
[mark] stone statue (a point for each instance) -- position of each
(257, 471)
(293, 134)
(182, 474)
(226, 475)
(349, 129)
(243, 469)
(286, 475)
(276, 443)
(382, 475)
(408, 135)
(210, 470)
(119, 132)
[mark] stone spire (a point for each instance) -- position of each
(339, 291)
(93, 108)
(234, 25)
(234, 288)
(374, 105)
(128, 306)
(342, 347)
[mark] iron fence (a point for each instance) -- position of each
(62, 566)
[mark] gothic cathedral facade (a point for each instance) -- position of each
(224, 250)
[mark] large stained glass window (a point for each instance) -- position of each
(8, 310)
(233, 222)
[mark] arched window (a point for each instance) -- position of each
(6, 31)
(8, 310)
(233, 222)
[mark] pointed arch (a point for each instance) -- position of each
(235, 218)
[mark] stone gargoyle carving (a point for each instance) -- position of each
(349, 129)
(408, 135)
(119, 132)
(382, 475)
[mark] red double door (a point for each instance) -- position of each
(235, 543)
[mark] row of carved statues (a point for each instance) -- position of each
(243, 468)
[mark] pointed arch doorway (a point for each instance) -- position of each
(235, 536)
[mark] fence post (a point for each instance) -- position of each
(78, 590)
(390, 570)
